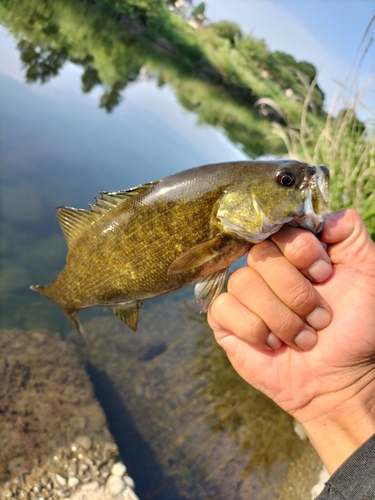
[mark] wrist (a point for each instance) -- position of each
(339, 424)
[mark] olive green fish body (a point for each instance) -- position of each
(188, 227)
(128, 252)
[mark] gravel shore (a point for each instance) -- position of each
(84, 471)
(54, 438)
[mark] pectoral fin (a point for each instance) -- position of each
(128, 314)
(207, 289)
(199, 254)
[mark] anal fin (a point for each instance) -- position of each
(128, 313)
(208, 288)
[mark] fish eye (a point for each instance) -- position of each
(286, 179)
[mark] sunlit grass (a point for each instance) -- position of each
(342, 142)
(347, 147)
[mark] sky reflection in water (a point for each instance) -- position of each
(58, 149)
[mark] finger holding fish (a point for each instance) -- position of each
(278, 307)
(289, 284)
(272, 302)
(250, 301)
(305, 252)
(241, 321)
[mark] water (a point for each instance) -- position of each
(170, 384)
(59, 148)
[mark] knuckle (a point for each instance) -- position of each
(239, 280)
(219, 304)
(288, 325)
(250, 327)
(302, 296)
(301, 247)
(262, 251)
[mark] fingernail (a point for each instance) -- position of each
(320, 270)
(335, 215)
(319, 318)
(273, 341)
(305, 340)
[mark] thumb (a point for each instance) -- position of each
(348, 238)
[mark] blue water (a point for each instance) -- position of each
(59, 148)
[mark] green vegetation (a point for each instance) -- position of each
(214, 70)
(347, 146)
(265, 102)
(199, 11)
(229, 31)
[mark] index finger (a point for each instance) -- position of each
(295, 298)
(304, 251)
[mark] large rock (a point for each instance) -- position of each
(46, 400)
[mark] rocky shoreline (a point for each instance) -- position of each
(56, 441)
(54, 438)
(85, 470)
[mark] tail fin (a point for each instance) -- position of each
(40, 289)
(71, 313)
(44, 290)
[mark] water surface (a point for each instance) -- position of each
(202, 432)
(59, 148)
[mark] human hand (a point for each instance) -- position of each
(330, 382)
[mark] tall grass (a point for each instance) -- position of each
(342, 142)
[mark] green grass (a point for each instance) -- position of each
(343, 143)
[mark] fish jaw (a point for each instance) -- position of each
(309, 220)
(316, 202)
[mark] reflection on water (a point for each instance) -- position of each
(253, 419)
(113, 55)
(203, 433)
(54, 154)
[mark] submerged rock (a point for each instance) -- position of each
(46, 400)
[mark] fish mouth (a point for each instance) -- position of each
(315, 189)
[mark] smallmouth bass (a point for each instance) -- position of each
(189, 227)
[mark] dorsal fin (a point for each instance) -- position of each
(74, 221)
(111, 200)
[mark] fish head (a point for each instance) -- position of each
(277, 193)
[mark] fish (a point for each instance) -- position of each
(189, 227)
